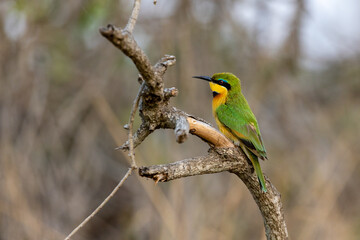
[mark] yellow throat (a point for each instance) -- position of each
(220, 94)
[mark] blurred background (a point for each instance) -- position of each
(66, 92)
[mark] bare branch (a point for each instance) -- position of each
(174, 119)
(126, 43)
(134, 15)
(208, 133)
(138, 137)
(131, 122)
(165, 62)
(269, 205)
(83, 223)
(170, 92)
(221, 158)
(191, 167)
(156, 112)
(234, 161)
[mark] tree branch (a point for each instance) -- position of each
(269, 205)
(191, 167)
(131, 121)
(138, 137)
(165, 62)
(126, 43)
(232, 160)
(208, 134)
(156, 113)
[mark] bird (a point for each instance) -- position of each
(235, 119)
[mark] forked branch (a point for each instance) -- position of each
(156, 113)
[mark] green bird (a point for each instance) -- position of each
(235, 118)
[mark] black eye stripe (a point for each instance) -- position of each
(224, 84)
(227, 85)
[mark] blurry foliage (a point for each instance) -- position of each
(65, 93)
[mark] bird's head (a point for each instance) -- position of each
(222, 83)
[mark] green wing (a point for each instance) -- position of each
(242, 123)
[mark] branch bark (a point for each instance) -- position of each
(208, 164)
(124, 40)
(156, 113)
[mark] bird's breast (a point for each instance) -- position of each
(218, 99)
(224, 130)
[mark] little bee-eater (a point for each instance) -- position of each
(235, 118)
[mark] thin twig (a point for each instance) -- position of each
(101, 205)
(134, 15)
(131, 123)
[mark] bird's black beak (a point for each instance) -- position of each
(206, 78)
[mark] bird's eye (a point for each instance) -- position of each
(221, 82)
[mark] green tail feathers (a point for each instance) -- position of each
(255, 162)
(259, 174)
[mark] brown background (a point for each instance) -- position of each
(65, 93)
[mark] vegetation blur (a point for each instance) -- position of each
(66, 92)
